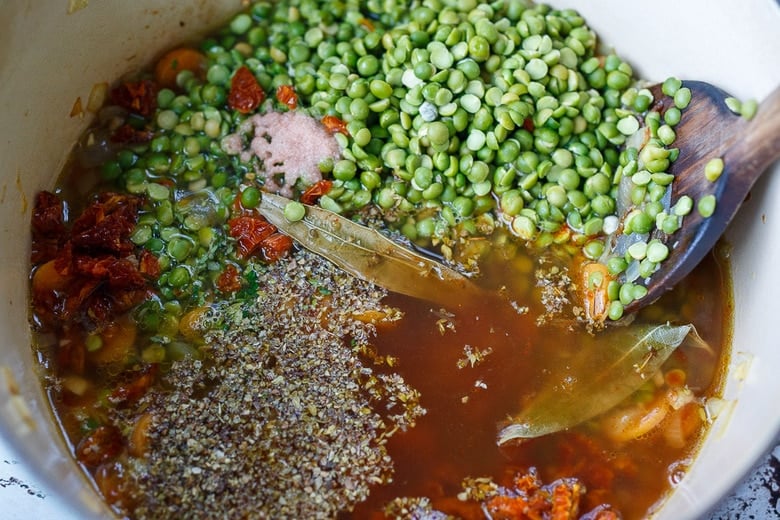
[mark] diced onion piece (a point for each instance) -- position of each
(97, 97)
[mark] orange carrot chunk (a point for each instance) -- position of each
(175, 61)
(595, 281)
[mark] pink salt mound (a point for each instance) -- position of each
(291, 146)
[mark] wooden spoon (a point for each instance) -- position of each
(709, 129)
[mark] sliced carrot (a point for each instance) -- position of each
(138, 445)
(118, 342)
(188, 324)
(175, 61)
(47, 278)
(595, 299)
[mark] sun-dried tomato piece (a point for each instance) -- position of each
(94, 274)
(44, 249)
(249, 232)
(124, 274)
(48, 227)
(503, 507)
(275, 247)
(127, 134)
(95, 267)
(101, 445)
(603, 512)
(48, 216)
(315, 191)
(98, 309)
(334, 124)
(149, 265)
(139, 97)
(119, 273)
(229, 280)
(133, 385)
(106, 225)
(286, 95)
(112, 481)
(245, 94)
(565, 501)
(530, 499)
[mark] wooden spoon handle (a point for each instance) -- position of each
(760, 146)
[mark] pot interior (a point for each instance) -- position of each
(50, 58)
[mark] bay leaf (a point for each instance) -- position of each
(367, 254)
(607, 368)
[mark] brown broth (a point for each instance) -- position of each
(466, 404)
(457, 438)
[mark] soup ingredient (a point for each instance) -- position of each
(284, 418)
(529, 498)
(137, 97)
(287, 148)
(369, 255)
(605, 371)
(523, 497)
(713, 169)
(92, 272)
(747, 109)
(245, 94)
(173, 62)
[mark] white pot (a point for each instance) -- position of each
(49, 58)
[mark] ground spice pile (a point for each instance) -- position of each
(281, 419)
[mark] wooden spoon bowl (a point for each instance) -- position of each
(709, 129)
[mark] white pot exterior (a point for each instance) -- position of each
(49, 58)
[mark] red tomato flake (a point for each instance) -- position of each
(245, 94)
(229, 281)
(286, 95)
(48, 227)
(107, 224)
(102, 445)
(120, 273)
(49, 214)
(528, 498)
(133, 384)
(249, 232)
(148, 265)
(139, 97)
(333, 124)
(275, 247)
(315, 191)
